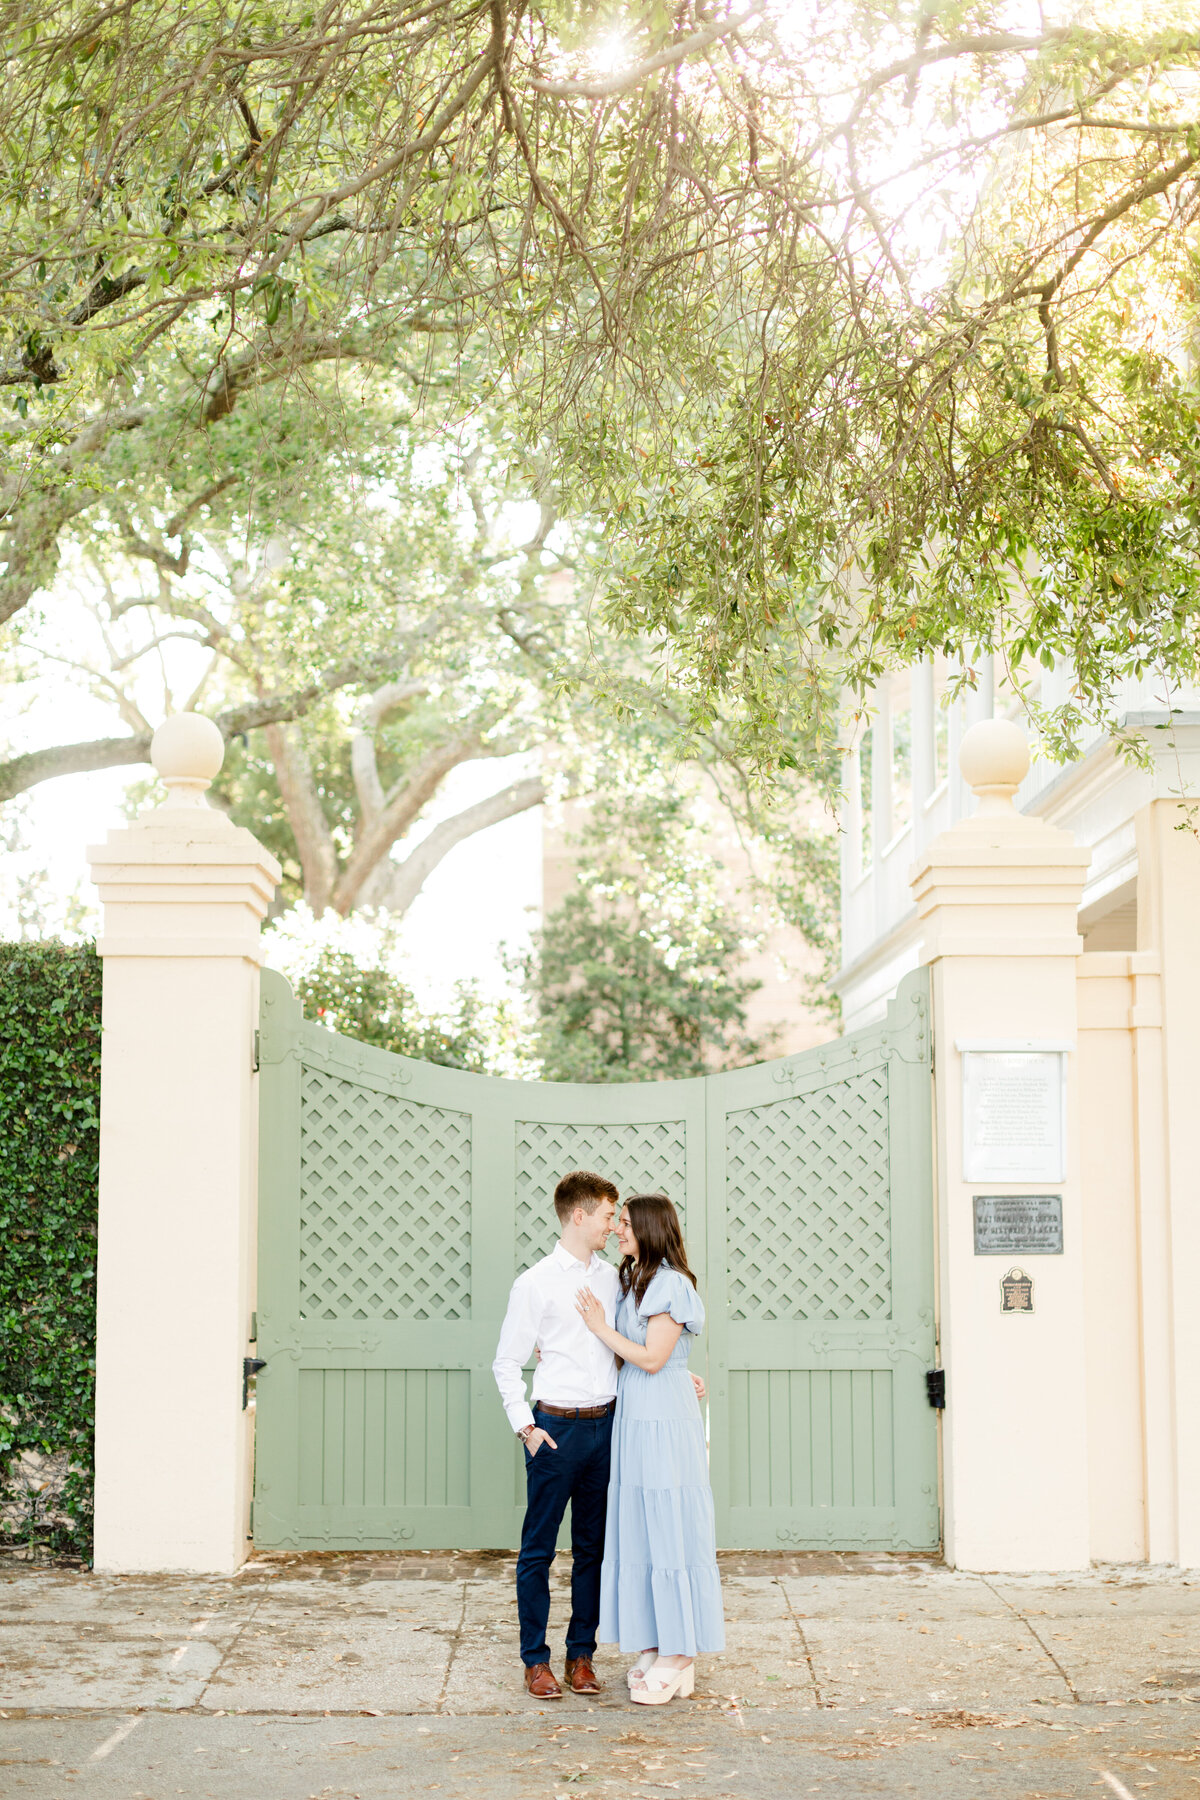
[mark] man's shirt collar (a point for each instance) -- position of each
(562, 1256)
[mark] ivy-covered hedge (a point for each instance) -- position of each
(49, 1153)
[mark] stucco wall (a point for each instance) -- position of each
(1112, 1300)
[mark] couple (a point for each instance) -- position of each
(627, 1450)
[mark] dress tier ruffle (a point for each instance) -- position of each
(659, 1583)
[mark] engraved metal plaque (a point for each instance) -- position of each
(1018, 1224)
(1016, 1292)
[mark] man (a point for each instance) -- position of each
(574, 1392)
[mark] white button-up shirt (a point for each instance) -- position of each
(576, 1369)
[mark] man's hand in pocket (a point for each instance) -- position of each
(536, 1438)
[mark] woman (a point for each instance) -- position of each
(660, 1592)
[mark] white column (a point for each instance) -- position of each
(850, 854)
(998, 896)
(184, 893)
(881, 805)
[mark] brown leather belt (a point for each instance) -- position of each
(574, 1412)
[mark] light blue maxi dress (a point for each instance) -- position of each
(659, 1582)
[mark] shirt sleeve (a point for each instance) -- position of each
(670, 1292)
(518, 1336)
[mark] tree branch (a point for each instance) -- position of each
(996, 43)
(227, 382)
(364, 766)
(406, 800)
(274, 709)
(428, 140)
(40, 513)
(38, 364)
(546, 197)
(180, 520)
(1157, 184)
(161, 637)
(31, 558)
(105, 291)
(669, 58)
(22, 772)
(396, 887)
(162, 559)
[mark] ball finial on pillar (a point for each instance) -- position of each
(994, 759)
(187, 750)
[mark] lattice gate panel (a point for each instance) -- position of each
(643, 1158)
(385, 1205)
(809, 1207)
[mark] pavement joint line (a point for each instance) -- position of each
(455, 1641)
(234, 1641)
(1037, 1638)
(726, 1704)
(801, 1634)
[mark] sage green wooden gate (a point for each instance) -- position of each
(397, 1200)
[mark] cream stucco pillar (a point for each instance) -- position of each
(998, 896)
(184, 893)
(1167, 1036)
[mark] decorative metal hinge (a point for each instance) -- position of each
(935, 1388)
(255, 1056)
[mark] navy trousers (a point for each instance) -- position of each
(577, 1472)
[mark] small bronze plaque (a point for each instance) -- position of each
(1018, 1224)
(1016, 1292)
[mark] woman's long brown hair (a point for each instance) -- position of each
(655, 1224)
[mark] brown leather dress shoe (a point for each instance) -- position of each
(580, 1676)
(540, 1682)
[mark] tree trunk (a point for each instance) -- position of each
(310, 828)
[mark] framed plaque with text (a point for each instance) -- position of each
(1014, 1112)
(1018, 1224)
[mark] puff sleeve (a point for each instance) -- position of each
(670, 1292)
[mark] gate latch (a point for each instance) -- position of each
(935, 1388)
(250, 1366)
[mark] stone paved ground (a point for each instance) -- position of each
(357, 1677)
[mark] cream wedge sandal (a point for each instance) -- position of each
(638, 1671)
(661, 1686)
